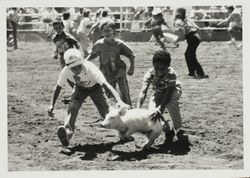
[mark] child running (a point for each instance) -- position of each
(155, 23)
(89, 81)
(109, 50)
(166, 93)
(62, 40)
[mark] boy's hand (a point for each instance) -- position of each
(130, 71)
(157, 115)
(50, 111)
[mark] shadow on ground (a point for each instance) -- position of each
(92, 150)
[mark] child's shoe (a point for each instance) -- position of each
(63, 135)
(169, 137)
(181, 136)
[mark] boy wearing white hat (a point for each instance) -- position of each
(155, 23)
(89, 81)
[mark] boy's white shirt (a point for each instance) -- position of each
(89, 75)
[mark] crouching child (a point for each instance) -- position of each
(166, 93)
(88, 81)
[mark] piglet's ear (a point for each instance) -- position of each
(122, 111)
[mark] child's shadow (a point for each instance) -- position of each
(91, 150)
(177, 148)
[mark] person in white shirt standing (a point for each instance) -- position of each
(83, 30)
(89, 81)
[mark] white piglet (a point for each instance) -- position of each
(131, 121)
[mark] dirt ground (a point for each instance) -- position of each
(212, 111)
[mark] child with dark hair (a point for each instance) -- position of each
(166, 93)
(62, 40)
(189, 29)
(109, 50)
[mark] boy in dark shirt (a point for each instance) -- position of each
(62, 40)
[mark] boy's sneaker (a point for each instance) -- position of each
(169, 137)
(202, 76)
(63, 135)
(181, 136)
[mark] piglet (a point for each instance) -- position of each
(131, 121)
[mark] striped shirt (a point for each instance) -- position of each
(161, 84)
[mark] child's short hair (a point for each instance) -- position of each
(104, 13)
(180, 13)
(86, 12)
(162, 56)
(66, 15)
(109, 23)
(231, 8)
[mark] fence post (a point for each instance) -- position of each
(121, 17)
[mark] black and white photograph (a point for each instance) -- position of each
(124, 89)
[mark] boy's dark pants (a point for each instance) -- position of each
(158, 34)
(193, 65)
(98, 96)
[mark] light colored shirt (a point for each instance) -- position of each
(84, 26)
(161, 84)
(184, 25)
(67, 25)
(88, 77)
(235, 19)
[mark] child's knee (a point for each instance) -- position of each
(74, 106)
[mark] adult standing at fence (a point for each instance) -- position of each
(183, 25)
(13, 17)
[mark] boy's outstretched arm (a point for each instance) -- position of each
(142, 95)
(114, 93)
(54, 97)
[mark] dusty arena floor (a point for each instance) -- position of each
(212, 111)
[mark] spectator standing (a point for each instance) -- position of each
(83, 30)
(14, 18)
